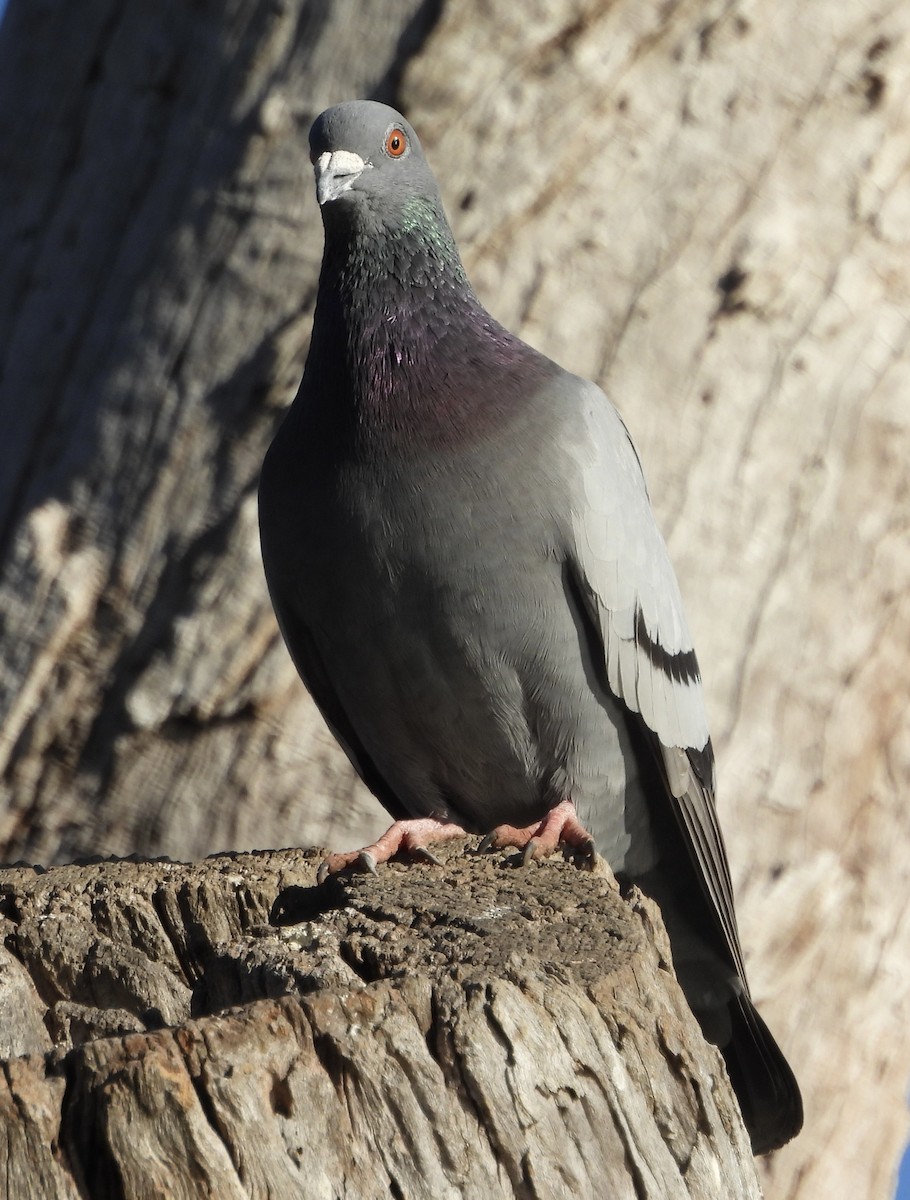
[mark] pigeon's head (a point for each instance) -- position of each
(369, 164)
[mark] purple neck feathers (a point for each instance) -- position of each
(414, 357)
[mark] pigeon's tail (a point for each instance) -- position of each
(765, 1086)
(691, 883)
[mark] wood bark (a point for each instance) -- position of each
(701, 205)
(228, 1029)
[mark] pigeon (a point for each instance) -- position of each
(462, 556)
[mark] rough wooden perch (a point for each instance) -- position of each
(228, 1029)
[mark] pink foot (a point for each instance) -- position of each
(411, 836)
(560, 827)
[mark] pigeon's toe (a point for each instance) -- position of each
(560, 827)
(412, 838)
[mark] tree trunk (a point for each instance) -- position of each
(433, 1032)
(702, 206)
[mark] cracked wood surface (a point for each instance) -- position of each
(702, 206)
(471, 1030)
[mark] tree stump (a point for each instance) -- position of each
(471, 1030)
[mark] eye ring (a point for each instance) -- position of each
(396, 142)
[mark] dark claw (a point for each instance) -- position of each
(528, 853)
(487, 842)
(425, 854)
(367, 861)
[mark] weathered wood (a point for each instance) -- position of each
(470, 1030)
(703, 206)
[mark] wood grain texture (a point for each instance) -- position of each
(470, 1030)
(703, 206)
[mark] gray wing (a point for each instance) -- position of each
(632, 595)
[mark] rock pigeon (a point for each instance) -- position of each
(463, 560)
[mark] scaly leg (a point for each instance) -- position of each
(560, 827)
(411, 836)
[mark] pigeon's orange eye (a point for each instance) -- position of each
(396, 143)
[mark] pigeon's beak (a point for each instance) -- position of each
(336, 173)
